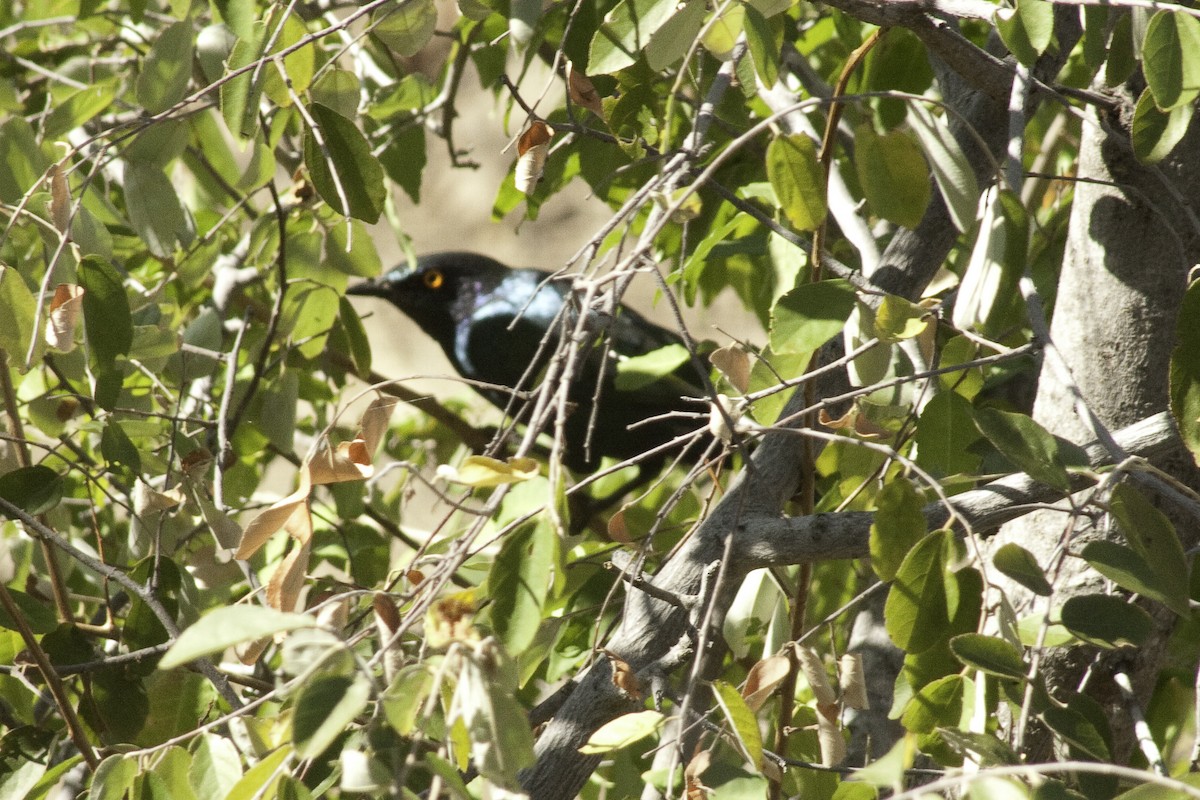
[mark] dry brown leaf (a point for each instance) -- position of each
(695, 788)
(277, 517)
(60, 199)
(764, 678)
(533, 147)
(867, 429)
(250, 652)
(582, 92)
(624, 678)
(353, 460)
(387, 616)
(734, 363)
(833, 744)
(853, 681)
(196, 461)
(66, 309)
(284, 585)
(814, 673)
(844, 421)
(415, 577)
(451, 619)
(618, 531)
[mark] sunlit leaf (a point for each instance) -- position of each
(798, 180)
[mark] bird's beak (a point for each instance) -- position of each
(369, 288)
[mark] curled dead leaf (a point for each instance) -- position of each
(66, 309)
(624, 678)
(618, 531)
(582, 92)
(833, 744)
(853, 681)
(533, 147)
(764, 678)
(60, 199)
(814, 673)
(734, 365)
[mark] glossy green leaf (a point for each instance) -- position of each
(154, 208)
(798, 180)
(936, 704)
(519, 582)
(230, 626)
(989, 654)
(626, 29)
(406, 27)
(638, 372)
(623, 731)
(764, 49)
(1171, 58)
(325, 707)
(917, 611)
(1106, 621)
(893, 174)
(1029, 446)
(22, 162)
(167, 69)
(80, 107)
(810, 315)
(741, 720)
(106, 314)
(1125, 567)
(113, 778)
(300, 64)
(35, 490)
(951, 169)
(674, 38)
(346, 162)
(1019, 564)
(1027, 29)
(1154, 538)
(898, 525)
(38, 614)
(1185, 371)
(1155, 133)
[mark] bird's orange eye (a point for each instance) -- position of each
(434, 279)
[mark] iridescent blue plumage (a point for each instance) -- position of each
(500, 326)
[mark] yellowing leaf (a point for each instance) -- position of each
(483, 471)
(623, 731)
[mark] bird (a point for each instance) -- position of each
(500, 326)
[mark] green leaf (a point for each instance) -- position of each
(1171, 59)
(518, 584)
(154, 208)
(1106, 621)
(741, 719)
(893, 174)
(897, 319)
(299, 64)
(1154, 538)
(240, 96)
(938, 703)
(348, 162)
(501, 742)
(764, 48)
(407, 27)
(80, 108)
(1155, 133)
(798, 180)
(1029, 446)
(672, 41)
(810, 315)
(626, 29)
(325, 708)
(37, 615)
(22, 162)
(1127, 569)
(1185, 371)
(898, 525)
(113, 777)
(1027, 29)
(1076, 725)
(951, 169)
(1019, 564)
(917, 611)
(106, 315)
(623, 731)
(340, 90)
(35, 490)
(16, 324)
(229, 626)
(261, 779)
(405, 698)
(216, 767)
(167, 69)
(989, 654)
(637, 372)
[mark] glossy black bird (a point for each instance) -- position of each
(501, 326)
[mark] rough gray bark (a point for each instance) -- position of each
(1132, 239)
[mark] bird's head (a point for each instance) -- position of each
(438, 291)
